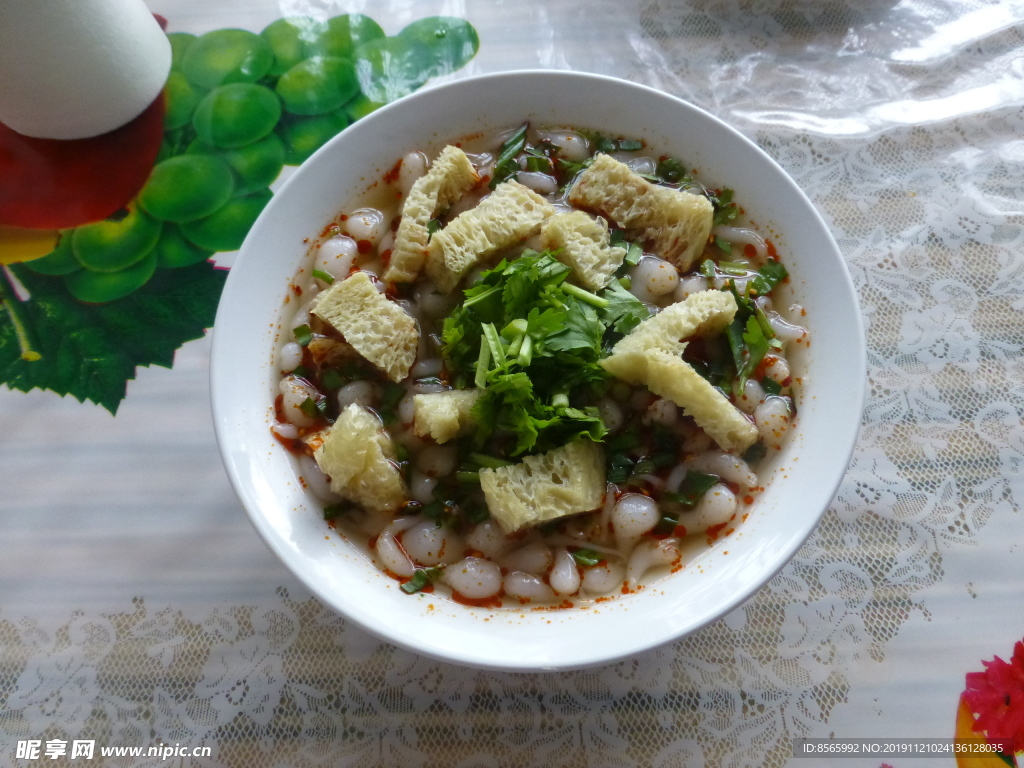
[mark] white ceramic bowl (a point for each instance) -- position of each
(802, 479)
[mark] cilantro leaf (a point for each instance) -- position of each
(624, 311)
(768, 276)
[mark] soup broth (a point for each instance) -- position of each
(583, 407)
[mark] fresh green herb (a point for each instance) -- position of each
(587, 558)
(644, 467)
(605, 145)
(725, 210)
(327, 277)
(734, 268)
(303, 335)
(421, 578)
(693, 487)
(626, 282)
(707, 268)
(756, 347)
(506, 166)
(771, 386)
(624, 311)
(333, 511)
(388, 407)
(468, 478)
(570, 170)
(633, 254)
(302, 372)
(666, 525)
(672, 170)
(755, 453)
(768, 276)
(331, 378)
(488, 462)
(619, 468)
(724, 246)
(630, 145)
(433, 227)
(537, 164)
(310, 407)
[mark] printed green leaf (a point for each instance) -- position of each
(91, 351)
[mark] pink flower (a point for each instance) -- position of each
(996, 697)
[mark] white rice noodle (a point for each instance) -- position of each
(488, 539)
(427, 543)
(316, 480)
(602, 579)
(565, 574)
(535, 558)
(649, 554)
(633, 516)
(726, 466)
(390, 552)
(473, 577)
(715, 507)
(743, 236)
(526, 586)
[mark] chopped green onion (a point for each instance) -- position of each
(506, 166)
(302, 372)
(516, 345)
(626, 282)
(561, 400)
(332, 511)
(514, 328)
(666, 525)
(606, 145)
(303, 335)
(620, 466)
(481, 296)
(433, 510)
(771, 386)
(707, 268)
(633, 254)
(586, 296)
(494, 343)
(588, 558)
(666, 459)
(490, 462)
(468, 478)
(630, 145)
(331, 378)
(733, 267)
(421, 577)
(525, 356)
(644, 467)
(693, 487)
(327, 277)
(483, 363)
(755, 453)
(309, 407)
(433, 227)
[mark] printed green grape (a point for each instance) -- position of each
(99, 287)
(392, 67)
(174, 250)
(343, 34)
(225, 229)
(181, 98)
(110, 246)
(60, 261)
(450, 42)
(187, 187)
(318, 85)
(291, 40)
(302, 136)
(226, 56)
(180, 43)
(237, 114)
(256, 165)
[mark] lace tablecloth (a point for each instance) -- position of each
(138, 607)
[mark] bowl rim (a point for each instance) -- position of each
(221, 377)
